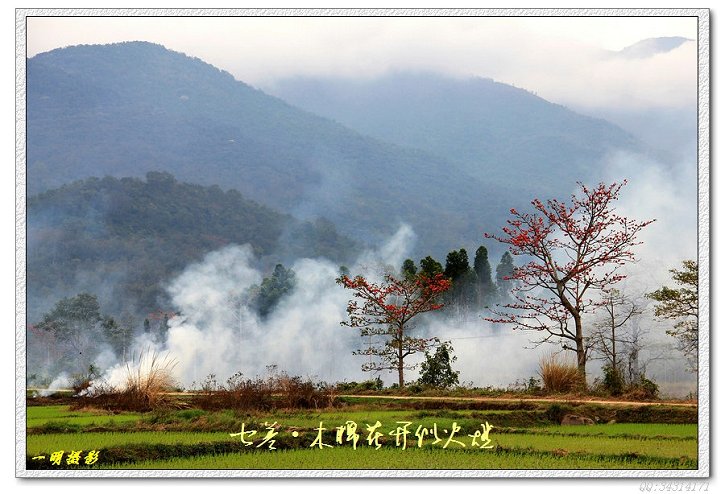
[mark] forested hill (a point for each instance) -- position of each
(129, 108)
(122, 239)
(494, 131)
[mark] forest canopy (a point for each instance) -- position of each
(137, 234)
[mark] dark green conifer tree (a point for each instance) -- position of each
(484, 281)
(504, 272)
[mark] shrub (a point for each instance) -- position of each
(238, 394)
(530, 386)
(356, 387)
(297, 393)
(558, 376)
(82, 381)
(373, 384)
(436, 370)
(415, 388)
(613, 380)
(348, 387)
(651, 389)
(643, 389)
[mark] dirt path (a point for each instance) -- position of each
(533, 400)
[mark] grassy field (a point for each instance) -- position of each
(411, 459)
(522, 437)
(40, 416)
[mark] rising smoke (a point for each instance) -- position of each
(668, 194)
(217, 332)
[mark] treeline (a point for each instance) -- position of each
(473, 287)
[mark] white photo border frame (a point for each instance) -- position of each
(704, 261)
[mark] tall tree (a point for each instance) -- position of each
(504, 274)
(42, 349)
(430, 267)
(409, 269)
(484, 280)
(462, 295)
(681, 305)
(571, 250)
(388, 310)
(273, 288)
(611, 338)
(456, 264)
(75, 324)
(118, 335)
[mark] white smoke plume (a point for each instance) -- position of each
(669, 195)
(59, 383)
(489, 354)
(218, 332)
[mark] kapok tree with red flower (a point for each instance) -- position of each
(387, 310)
(573, 251)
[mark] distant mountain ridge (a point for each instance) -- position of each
(493, 131)
(448, 157)
(652, 46)
(129, 108)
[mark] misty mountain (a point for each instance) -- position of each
(652, 46)
(670, 131)
(129, 108)
(124, 239)
(498, 133)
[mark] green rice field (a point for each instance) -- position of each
(198, 439)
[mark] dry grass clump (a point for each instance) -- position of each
(148, 378)
(294, 392)
(279, 390)
(238, 394)
(559, 375)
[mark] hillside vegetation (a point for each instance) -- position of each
(124, 238)
(130, 108)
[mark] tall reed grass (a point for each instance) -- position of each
(559, 374)
(148, 376)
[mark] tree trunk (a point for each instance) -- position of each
(614, 348)
(401, 380)
(581, 356)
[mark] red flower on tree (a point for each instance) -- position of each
(573, 249)
(387, 310)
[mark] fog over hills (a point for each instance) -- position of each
(668, 128)
(129, 108)
(444, 155)
(652, 46)
(496, 132)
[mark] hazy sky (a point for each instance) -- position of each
(566, 60)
